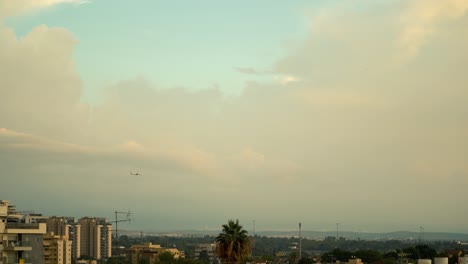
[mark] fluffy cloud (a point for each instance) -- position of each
(421, 19)
(40, 87)
(16, 7)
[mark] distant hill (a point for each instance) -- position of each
(399, 235)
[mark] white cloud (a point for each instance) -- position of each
(248, 70)
(288, 79)
(17, 7)
(40, 87)
(422, 18)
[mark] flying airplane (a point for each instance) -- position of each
(136, 174)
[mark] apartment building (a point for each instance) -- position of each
(206, 252)
(56, 249)
(95, 237)
(20, 242)
(66, 226)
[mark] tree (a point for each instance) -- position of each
(421, 252)
(166, 257)
(306, 261)
(233, 244)
(369, 256)
(117, 260)
(204, 256)
(293, 256)
(426, 252)
(336, 254)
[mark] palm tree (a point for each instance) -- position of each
(233, 243)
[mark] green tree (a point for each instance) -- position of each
(336, 254)
(233, 244)
(426, 252)
(421, 252)
(204, 256)
(369, 256)
(306, 261)
(293, 256)
(117, 260)
(166, 258)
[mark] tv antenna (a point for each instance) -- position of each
(117, 220)
(337, 225)
(421, 234)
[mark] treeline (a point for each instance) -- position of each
(266, 248)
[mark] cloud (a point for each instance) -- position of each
(21, 141)
(48, 151)
(283, 79)
(17, 7)
(422, 18)
(351, 127)
(40, 87)
(252, 71)
(288, 79)
(247, 70)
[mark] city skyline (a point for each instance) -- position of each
(319, 112)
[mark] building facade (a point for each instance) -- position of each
(206, 252)
(56, 249)
(67, 227)
(20, 242)
(149, 253)
(95, 237)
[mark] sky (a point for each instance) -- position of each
(320, 112)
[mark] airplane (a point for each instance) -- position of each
(136, 174)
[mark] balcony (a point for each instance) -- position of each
(21, 228)
(16, 246)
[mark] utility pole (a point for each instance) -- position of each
(300, 241)
(421, 234)
(337, 237)
(253, 237)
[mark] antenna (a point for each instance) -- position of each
(337, 224)
(421, 234)
(253, 236)
(127, 219)
(253, 227)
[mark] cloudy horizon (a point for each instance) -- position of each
(318, 112)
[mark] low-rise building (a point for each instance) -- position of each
(86, 261)
(463, 260)
(206, 252)
(149, 253)
(355, 261)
